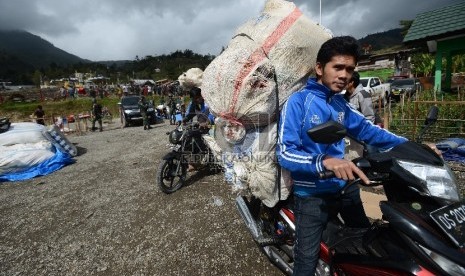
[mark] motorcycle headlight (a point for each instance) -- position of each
(175, 136)
(450, 267)
(440, 181)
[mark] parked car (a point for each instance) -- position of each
(130, 112)
(393, 78)
(377, 89)
(407, 87)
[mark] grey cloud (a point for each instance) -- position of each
(108, 29)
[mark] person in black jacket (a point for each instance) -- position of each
(172, 106)
(143, 106)
(97, 112)
(40, 115)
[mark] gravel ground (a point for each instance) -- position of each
(103, 215)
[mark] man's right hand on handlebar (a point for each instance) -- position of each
(344, 169)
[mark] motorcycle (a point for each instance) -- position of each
(422, 231)
(189, 145)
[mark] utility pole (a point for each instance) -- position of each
(320, 12)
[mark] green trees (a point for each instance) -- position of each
(168, 67)
(458, 63)
(405, 26)
(422, 64)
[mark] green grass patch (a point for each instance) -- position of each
(383, 74)
(21, 111)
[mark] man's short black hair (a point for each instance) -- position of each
(195, 92)
(355, 78)
(339, 45)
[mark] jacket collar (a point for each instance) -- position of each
(319, 89)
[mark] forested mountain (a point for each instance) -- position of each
(24, 57)
(384, 40)
(34, 50)
(21, 53)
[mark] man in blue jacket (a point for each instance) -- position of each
(317, 103)
(198, 107)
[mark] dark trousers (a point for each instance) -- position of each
(311, 217)
(145, 120)
(99, 120)
(173, 117)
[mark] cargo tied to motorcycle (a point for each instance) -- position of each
(268, 58)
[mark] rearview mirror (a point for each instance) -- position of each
(432, 116)
(327, 133)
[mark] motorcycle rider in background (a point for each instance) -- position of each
(198, 108)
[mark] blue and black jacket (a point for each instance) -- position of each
(202, 111)
(313, 105)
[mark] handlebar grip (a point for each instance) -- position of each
(326, 174)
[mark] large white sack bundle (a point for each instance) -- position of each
(254, 165)
(22, 146)
(20, 157)
(22, 133)
(191, 78)
(276, 50)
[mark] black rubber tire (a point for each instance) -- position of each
(124, 122)
(168, 182)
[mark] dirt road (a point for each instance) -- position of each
(103, 215)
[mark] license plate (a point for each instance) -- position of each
(451, 219)
(396, 92)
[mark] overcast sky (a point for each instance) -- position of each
(121, 29)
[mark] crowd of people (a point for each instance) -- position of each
(72, 90)
(98, 92)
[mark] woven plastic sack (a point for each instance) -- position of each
(255, 166)
(280, 44)
(20, 157)
(262, 169)
(191, 78)
(21, 133)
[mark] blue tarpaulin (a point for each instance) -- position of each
(453, 149)
(58, 161)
